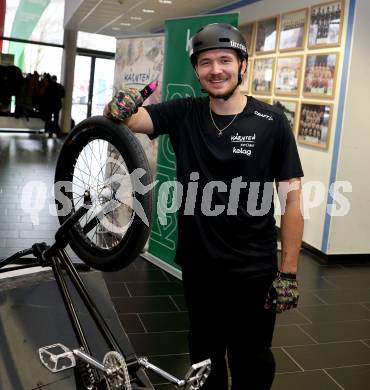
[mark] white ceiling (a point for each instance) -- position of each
(105, 16)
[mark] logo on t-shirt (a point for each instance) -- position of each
(244, 143)
(268, 117)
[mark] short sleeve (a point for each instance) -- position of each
(286, 158)
(167, 116)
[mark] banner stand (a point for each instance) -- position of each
(162, 264)
(179, 81)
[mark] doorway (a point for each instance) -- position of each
(92, 86)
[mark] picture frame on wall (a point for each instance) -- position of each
(326, 22)
(263, 75)
(288, 75)
(293, 27)
(245, 85)
(320, 75)
(290, 109)
(315, 124)
(248, 31)
(264, 99)
(266, 35)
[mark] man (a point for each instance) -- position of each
(227, 144)
(54, 101)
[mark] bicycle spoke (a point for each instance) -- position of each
(98, 162)
(76, 167)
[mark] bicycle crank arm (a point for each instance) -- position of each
(143, 361)
(89, 360)
(57, 358)
(194, 379)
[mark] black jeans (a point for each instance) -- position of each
(227, 317)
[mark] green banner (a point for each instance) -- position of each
(178, 81)
(26, 18)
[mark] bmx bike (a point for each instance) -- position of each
(103, 192)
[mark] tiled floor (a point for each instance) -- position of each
(324, 344)
(26, 183)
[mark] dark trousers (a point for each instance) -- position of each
(51, 118)
(227, 318)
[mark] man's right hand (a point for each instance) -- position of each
(124, 104)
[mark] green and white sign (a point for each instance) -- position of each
(179, 81)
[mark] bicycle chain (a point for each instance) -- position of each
(120, 379)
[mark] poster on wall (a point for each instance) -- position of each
(326, 24)
(314, 124)
(293, 30)
(288, 75)
(264, 99)
(289, 108)
(248, 31)
(139, 61)
(263, 74)
(266, 35)
(320, 75)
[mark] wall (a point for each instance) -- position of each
(8, 122)
(350, 234)
(317, 163)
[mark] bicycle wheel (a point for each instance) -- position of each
(106, 159)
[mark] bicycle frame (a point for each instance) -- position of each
(56, 257)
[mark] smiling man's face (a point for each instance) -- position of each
(217, 70)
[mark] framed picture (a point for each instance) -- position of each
(263, 72)
(293, 26)
(326, 21)
(244, 87)
(289, 107)
(266, 35)
(248, 31)
(314, 124)
(264, 99)
(320, 75)
(288, 75)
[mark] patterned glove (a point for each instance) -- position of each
(283, 293)
(124, 104)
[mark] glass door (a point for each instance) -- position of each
(103, 85)
(93, 86)
(81, 88)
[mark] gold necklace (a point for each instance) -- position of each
(220, 131)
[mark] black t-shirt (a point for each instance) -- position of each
(257, 149)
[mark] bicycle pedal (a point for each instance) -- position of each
(197, 375)
(57, 357)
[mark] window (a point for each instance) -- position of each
(40, 20)
(31, 57)
(96, 42)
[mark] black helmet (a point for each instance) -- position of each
(217, 36)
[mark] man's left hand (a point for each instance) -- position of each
(283, 293)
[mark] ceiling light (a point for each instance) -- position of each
(165, 1)
(115, 28)
(125, 24)
(148, 11)
(136, 18)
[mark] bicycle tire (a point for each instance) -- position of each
(130, 149)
